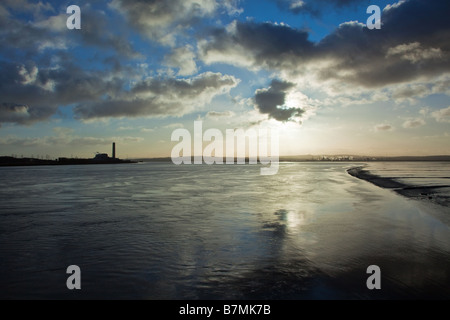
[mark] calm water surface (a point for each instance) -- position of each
(159, 231)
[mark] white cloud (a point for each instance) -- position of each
(184, 59)
(164, 21)
(215, 115)
(63, 131)
(174, 126)
(393, 6)
(442, 115)
(53, 23)
(296, 4)
(232, 7)
(424, 111)
(413, 123)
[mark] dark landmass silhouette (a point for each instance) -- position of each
(11, 161)
(104, 159)
(100, 158)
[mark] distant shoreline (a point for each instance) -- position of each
(28, 162)
(332, 158)
(6, 161)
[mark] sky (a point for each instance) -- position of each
(138, 70)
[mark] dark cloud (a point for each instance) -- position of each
(271, 101)
(49, 76)
(413, 43)
(263, 44)
(15, 113)
(160, 97)
(96, 32)
(29, 94)
(22, 37)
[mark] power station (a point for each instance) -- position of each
(105, 157)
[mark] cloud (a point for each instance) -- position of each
(411, 45)
(21, 142)
(14, 113)
(272, 101)
(29, 94)
(96, 32)
(43, 32)
(424, 111)
(93, 141)
(407, 59)
(184, 59)
(53, 23)
(410, 92)
(257, 45)
(165, 21)
(63, 131)
(160, 97)
(413, 123)
(174, 126)
(295, 6)
(232, 7)
(312, 6)
(218, 115)
(414, 52)
(400, 93)
(384, 127)
(24, 6)
(64, 140)
(27, 38)
(442, 115)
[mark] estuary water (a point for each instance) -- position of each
(160, 231)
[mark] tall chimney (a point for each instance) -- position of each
(114, 150)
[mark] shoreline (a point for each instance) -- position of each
(421, 193)
(29, 162)
(56, 164)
